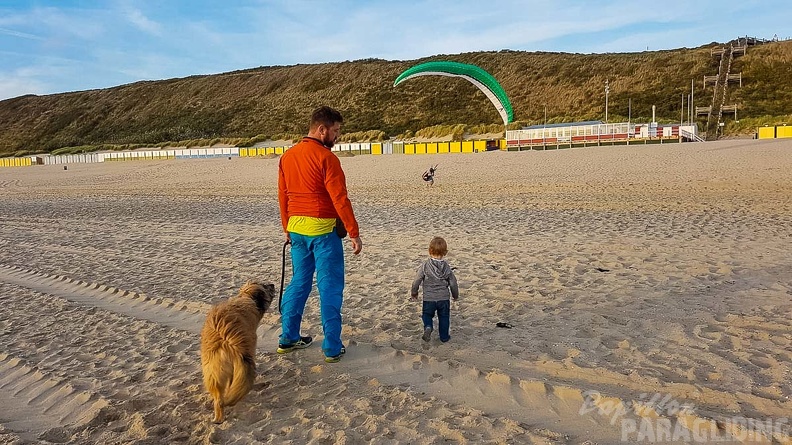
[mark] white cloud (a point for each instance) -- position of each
(13, 85)
(98, 44)
(84, 25)
(142, 22)
(24, 35)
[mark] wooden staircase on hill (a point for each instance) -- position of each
(721, 82)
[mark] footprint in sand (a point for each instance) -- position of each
(707, 332)
(178, 347)
(763, 362)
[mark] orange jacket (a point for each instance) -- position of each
(312, 183)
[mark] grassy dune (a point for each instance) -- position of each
(244, 107)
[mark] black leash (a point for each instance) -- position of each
(283, 274)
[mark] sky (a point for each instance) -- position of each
(55, 46)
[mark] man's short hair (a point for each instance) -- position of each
(326, 116)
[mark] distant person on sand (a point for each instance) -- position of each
(314, 209)
(428, 175)
(439, 286)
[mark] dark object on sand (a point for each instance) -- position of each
(501, 324)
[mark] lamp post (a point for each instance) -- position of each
(629, 118)
(544, 129)
(692, 110)
(607, 90)
(682, 114)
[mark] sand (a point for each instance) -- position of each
(649, 289)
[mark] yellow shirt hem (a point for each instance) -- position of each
(310, 226)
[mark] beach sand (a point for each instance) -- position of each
(647, 286)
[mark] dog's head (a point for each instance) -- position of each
(262, 294)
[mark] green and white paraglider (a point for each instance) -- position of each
(473, 74)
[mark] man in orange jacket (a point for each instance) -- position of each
(312, 195)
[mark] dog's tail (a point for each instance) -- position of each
(229, 375)
(242, 383)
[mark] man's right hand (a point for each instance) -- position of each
(357, 245)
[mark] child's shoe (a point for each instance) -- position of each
(427, 334)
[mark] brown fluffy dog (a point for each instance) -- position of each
(228, 345)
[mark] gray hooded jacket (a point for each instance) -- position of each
(438, 281)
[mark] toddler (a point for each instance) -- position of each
(439, 285)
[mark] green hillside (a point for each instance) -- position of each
(270, 102)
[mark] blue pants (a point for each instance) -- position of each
(443, 309)
(323, 254)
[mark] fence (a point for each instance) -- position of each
(357, 148)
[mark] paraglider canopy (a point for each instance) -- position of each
(473, 74)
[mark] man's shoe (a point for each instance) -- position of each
(302, 343)
(427, 334)
(336, 358)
